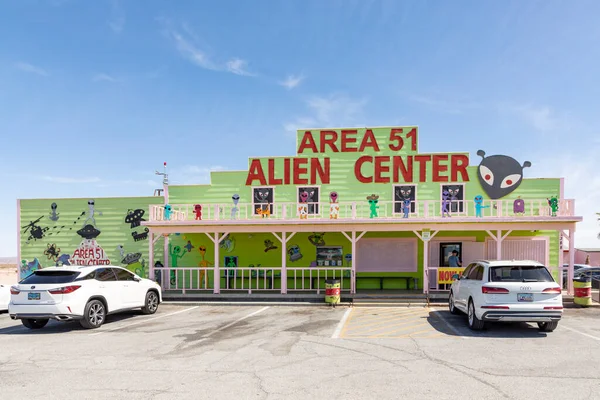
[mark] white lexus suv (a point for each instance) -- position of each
(87, 294)
(511, 291)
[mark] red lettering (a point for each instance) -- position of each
(346, 141)
(322, 170)
(307, 142)
(412, 135)
(422, 160)
(380, 168)
(299, 169)
(255, 173)
(406, 170)
(438, 168)
(272, 179)
(357, 169)
(286, 170)
(329, 137)
(458, 165)
(368, 141)
(395, 137)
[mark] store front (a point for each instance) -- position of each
(359, 205)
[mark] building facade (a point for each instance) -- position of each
(361, 205)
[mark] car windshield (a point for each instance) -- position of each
(522, 273)
(42, 277)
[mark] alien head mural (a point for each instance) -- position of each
(499, 175)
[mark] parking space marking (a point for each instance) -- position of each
(392, 322)
(448, 324)
(581, 333)
(143, 321)
(341, 324)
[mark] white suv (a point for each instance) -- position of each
(87, 294)
(511, 291)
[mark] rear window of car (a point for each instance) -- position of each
(41, 277)
(524, 273)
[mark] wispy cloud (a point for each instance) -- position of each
(542, 118)
(186, 43)
(70, 180)
(238, 67)
(192, 174)
(104, 78)
(26, 67)
(336, 110)
(117, 17)
(445, 106)
(292, 81)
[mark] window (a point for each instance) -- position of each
(525, 273)
(312, 196)
(476, 273)
(467, 271)
(404, 192)
(456, 195)
(105, 274)
(446, 251)
(124, 275)
(262, 200)
(49, 277)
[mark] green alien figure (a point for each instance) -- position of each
(373, 200)
(176, 254)
(553, 203)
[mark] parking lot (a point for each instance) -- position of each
(299, 352)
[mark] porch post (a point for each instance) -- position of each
(570, 274)
(426, 266)
(167, 261)
(353, 271)
(216, 273)
(283, 263)
(499, 244)
(151, 256)
(561, 257)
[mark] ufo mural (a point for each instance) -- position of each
(134, 217)
(89, 232)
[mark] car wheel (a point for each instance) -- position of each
(34, 323)
(93, 315)
(451, 306)
(547, 326)
(151, 304)
(474, 323)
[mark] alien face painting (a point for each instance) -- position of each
(456, 196)
(262, 199)
(401, 193)
(499, 175)
(311, 194)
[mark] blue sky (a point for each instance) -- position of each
(95, 95)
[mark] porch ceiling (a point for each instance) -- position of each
(371, 225)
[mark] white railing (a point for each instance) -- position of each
(196, 279)
(424, 209)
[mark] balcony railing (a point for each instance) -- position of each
(422, 209)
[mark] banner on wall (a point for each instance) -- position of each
(445, 275)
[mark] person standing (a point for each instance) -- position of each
(454, 261)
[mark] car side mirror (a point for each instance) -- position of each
(137, 279)
(456, 277)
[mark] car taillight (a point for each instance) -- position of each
(64, 290)
(14, 290)
(552, 290)
(493, 290)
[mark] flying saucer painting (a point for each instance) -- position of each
(88, 232)
(131, 258)
(134, 217)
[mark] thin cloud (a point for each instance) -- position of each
(292, 81)
(117, 21)
(445, 106)
(186, 43)
(336, 110)
(192, 174)
(104, 78)
(26, 67)
(70, 180)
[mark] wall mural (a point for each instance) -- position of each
(553, 203)
(334, 207)
(445, 204)
(294, 252)
(228, 243)
(401, 195)
(519, 206)
(478, 200)
(197, 212)
(499, 175)
(134, 217)
(235, 209)
(89, 251)
(317, 239)
(303, 205)
(263, 201)
(309, 195)
(54, 215)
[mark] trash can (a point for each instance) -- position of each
(583, 291)
(332, 291)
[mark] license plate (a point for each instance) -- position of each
(524, 297)
(33, 296)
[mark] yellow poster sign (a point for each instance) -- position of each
(445, 274)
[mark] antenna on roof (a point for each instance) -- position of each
(164, 174)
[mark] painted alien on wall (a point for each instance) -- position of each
(499, 175)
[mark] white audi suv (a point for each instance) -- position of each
(87, 294)
(511, 291)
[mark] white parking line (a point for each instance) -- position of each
(143, 321)
(448, 324)
(581, 333)
(341, 324)
(232, 323)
